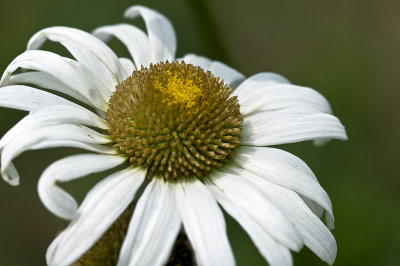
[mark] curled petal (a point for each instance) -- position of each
(160, 31)
(57, 200)
(316, 235)
(249, 199)
(32, 138)
(133, 38)
(75, 76)
(286, 170)
(274, 252)
(53, 115)
(87, 49)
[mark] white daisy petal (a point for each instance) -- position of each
(298, 164)
(46, 81)
(133, 38)
(315, 208)
(87, 49)
(260, 95)
(160, 31)
(53, 115)
(253, 202)
(284, 156)
(229, 75)
(269, 77)
(27, 98)
(274, 252)
(204, 224)
(289, 126)
(197, 60)
(279, 167)
(71, 73)
(321, 141)
(100, 208)
(53, 248)
(316, 235)
(31, 138)
(57, 200)
(11, 175)
(153, 228)
(98, 148)
(128, 65)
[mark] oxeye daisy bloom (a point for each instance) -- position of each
(197, 129)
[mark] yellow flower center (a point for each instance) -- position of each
(182, 87)
(174, 119)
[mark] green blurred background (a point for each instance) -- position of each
(347, 50)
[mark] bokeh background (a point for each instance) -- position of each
(347, 50)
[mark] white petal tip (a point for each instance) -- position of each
(13, 182)
(10, 175)
(323, 141)
(331, 259)
(133, 11)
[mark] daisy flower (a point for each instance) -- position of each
(195, 132)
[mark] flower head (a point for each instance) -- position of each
(196, 128)
(175, 120)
